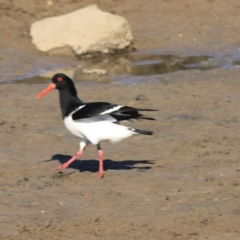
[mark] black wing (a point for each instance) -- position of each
(128, 113)
(118, 112)
(92, 109)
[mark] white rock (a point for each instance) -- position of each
(97, 71)
(86, 30)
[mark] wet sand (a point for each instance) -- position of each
(180, 183)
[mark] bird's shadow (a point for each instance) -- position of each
(92, 165)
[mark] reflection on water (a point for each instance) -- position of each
(165, 64)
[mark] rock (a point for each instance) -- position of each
(66, 50)
(95, 71)
(86, 31)
(83, 74)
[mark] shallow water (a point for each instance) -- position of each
(132, 66)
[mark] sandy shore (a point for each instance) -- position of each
(182, 183)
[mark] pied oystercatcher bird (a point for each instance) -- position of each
(93, 122)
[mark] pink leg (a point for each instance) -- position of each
(66, 164)
(101, 170)
(78, 154)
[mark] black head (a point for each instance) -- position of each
(60, 81)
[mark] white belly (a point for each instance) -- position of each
(98, 129)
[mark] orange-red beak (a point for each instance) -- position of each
(46, 90)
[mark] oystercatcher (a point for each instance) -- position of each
(93, 122)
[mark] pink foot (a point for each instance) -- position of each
(100, 174)
(63, 166)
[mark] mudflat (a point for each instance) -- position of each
(180, 183)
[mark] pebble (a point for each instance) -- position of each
(141, 97)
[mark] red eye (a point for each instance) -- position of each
(59, 79)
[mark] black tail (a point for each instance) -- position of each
(145, 109)
(145, 117)
(143, 132)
